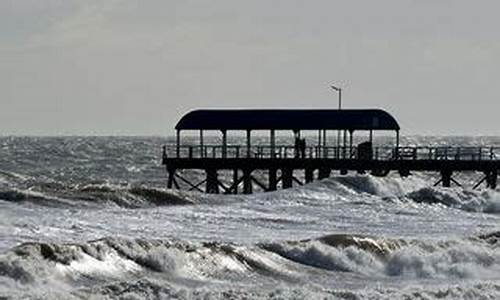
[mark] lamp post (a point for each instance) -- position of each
(339, 91)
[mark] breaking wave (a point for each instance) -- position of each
(92, 266)
(97, 195)
(468, 200)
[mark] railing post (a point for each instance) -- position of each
(178, 143)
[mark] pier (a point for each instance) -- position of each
(294, 164)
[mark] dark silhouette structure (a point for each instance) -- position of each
(316, 161)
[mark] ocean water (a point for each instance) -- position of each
(90, 218)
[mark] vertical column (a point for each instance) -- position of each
(446, 175)
(273, 143)
(345, 145)
(273, 180)
(319, 144)
(178, 143)
(309, 175)
(287, 176)
(171, 174)
(492, 179)
(224, 143)
(249, 143)
(202, 147)
(351, 133)
(247, 181)
(235, 181)
(397, 144)
(212, 181)
(325, 151)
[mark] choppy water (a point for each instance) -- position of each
(90, 218)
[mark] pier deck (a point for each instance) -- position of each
(282, 164)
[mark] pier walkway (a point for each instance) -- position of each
(285, 165)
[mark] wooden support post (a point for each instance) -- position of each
(287, 177)
(397, 144)
(351, 132)
(446, 176)
(202, 152)
(224, 143)
(178, 144)
(325, 151)
(345, 145)
(491, 179)
(235, 181)
(324, 173)
(171, 178)
(247, 181)
(273, 179)
(212, 182)
(249, 144)
(309, 175)
(273, 143)
(319, 144)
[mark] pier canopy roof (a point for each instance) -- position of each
(283, 119)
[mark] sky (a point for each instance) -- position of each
(134, 67)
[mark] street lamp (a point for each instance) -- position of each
(339, 91)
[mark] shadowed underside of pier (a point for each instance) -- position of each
(285, 173)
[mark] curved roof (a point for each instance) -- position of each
(282, 119)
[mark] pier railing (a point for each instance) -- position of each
(376, 153)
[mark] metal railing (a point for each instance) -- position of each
(375, 153)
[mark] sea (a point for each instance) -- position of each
(91, 218)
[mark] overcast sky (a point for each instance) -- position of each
(135, 66)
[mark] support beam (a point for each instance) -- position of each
(193, 187)
(273, 143)
(351, 133)
(234, 187)
(325, 153)
(492, 179)
(178, 143)
(197, 186)
(273, 179)
(319, 144)
(171, 175)
(446, 176)
(480, 182)
(397, 144)
(344, 156)
(309, 175)
(247, 181)
(260, 184)
(224, 143)
(249, 143)
(212, 181)
(287, 177)
(297, 180)
(202, 147)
